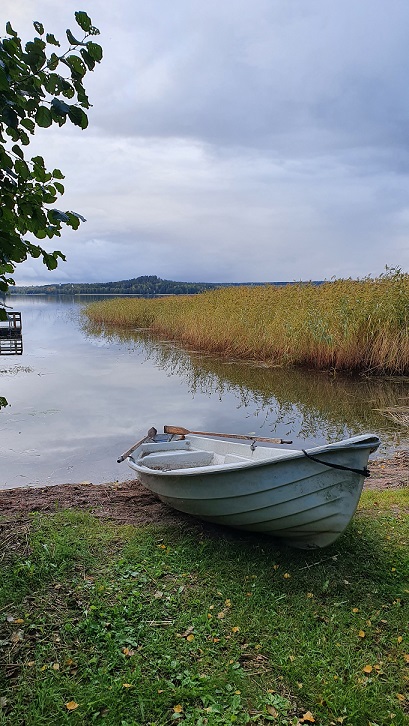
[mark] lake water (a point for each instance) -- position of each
(80, 397)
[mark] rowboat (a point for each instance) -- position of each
(304, 497)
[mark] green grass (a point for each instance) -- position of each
(202, 625)
(344, 325)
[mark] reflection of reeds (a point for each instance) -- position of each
(291, 402)
(342, 325)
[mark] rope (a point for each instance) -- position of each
(361, 472)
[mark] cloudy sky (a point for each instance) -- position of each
(234, 141)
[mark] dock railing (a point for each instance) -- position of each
(11, 334)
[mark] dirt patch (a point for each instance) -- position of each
(131, 503)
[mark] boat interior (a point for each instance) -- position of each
(196, 452)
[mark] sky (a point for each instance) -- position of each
(243, 140)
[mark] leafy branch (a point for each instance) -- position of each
(35, 93)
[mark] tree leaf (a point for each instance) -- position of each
(39, 27)
(94, 50)
(71, 38)
(43, 117)
(78, 117)
(10, 30)
(60, 107)
(83, 20)
(51, 39)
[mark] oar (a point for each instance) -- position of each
(151, 434)
(182, 431)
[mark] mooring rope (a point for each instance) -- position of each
(361, 472)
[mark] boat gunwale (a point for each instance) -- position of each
(356, 443)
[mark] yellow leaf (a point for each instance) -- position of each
(275, 567)
(127, 685)
(310, 595)
(237, 693)
(31, 663)
(178, 708)
(56, 666)
(367, 669)
(209, 615)
(236, 629)
(128, 652)
(406, 657)
(361, 634)
(286, 576)
(220, 615)
(355, 610)
(400, 697)
(190, 637)
(71, 705)
(399, 638)
(19, 620)
(227, 603)
(308, 718)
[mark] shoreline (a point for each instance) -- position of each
(131, 503)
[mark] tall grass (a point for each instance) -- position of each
(345, 325)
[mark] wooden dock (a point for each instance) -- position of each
(11, 335)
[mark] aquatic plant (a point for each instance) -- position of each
(342, 325)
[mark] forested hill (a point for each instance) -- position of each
(145, 285)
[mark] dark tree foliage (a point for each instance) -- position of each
(41, 84)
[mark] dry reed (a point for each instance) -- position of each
(345, 325)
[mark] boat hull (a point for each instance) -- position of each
(305, 503)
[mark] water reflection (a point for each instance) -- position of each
(311, 407)
(80, 396)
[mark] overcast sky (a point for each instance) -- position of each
(233, 141)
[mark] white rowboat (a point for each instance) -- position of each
(306, 498)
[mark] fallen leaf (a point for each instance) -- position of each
(31, 663)
(178, 708)
(236, 629)
(227, 603)
(56, 666)
(400, 697)
(361, 633)
(190, 637)
(286, 575)
(355, 610)
(220, 615)
(188, 631)
(71, 705)
(158, 594)
(367, 669)
(406, 657)
(127, 685)
(307, 718)
(272, 711)
(399, 638)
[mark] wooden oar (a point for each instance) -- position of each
(151, 434)
(182, 431)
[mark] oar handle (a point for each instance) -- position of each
(183, 431)
(151, 434)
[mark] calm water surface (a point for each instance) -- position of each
(79, 397)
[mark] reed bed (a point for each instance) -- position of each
(344, 325)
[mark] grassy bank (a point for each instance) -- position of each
(344, 325)
(113, 624)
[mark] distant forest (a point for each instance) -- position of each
(145, 285)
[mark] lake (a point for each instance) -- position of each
(80, 396)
